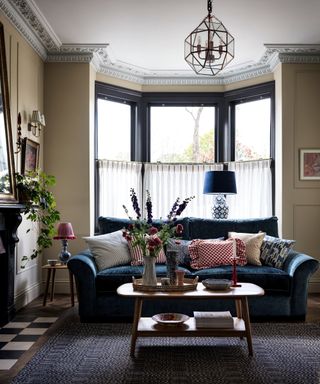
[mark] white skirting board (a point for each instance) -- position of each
(25, 296)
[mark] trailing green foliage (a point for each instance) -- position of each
(40, 207)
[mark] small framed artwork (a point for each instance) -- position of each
(29, 155)
(309, 164)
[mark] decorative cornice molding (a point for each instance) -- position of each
(37, 23)
(299, 58)
(69, 58)
(22, 26)
(30, 22)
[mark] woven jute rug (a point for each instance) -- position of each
(99, 353)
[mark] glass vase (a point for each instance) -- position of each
(149, 276)
(171, 257)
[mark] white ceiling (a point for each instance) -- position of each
(147, 36)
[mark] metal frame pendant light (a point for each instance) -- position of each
(210, 47)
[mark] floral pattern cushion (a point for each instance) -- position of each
(274, 251)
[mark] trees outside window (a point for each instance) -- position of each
(182, 134)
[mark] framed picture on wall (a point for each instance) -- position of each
(29, 155)
(309, 164)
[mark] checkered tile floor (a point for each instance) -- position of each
(18, 337)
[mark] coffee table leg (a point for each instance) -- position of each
(238, 308)
(238, 311)
(246, 318)
(136, 317)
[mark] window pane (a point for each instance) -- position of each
(114, 127)
(252, 124)
(182, 134)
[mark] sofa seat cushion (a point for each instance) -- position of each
(110, 279)
(272, 280)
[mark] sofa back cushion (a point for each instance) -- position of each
(209, 229)
(112, 224)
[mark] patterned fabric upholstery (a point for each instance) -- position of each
(274, 251)
(183, 255)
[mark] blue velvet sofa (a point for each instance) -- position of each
(285, 289)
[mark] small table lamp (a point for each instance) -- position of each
(220, 183)
(65, 233)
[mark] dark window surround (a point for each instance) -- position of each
(224, 102)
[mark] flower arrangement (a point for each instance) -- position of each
(144, 234)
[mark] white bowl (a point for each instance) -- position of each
(52, 262)
(170, 318)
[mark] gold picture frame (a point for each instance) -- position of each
(8, 192)
(29, 156)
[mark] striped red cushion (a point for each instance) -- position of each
(137, 257)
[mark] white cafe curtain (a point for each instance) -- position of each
(254, 189)
(166, 182)
(115, 178)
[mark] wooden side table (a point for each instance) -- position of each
(52, 271)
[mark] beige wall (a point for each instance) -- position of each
(68, 153)
(25, 72)
(300, 129)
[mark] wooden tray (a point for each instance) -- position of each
(188, 285)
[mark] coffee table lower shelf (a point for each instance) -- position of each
(149, 328)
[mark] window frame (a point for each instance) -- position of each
(224, 103)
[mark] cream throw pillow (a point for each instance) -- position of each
(253, 242)
(109, 250)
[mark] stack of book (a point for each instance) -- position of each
(213, 319)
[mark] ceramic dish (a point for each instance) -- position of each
(170, 318)
(217, 284)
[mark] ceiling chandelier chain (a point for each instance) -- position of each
(209, 47)
(209, 6)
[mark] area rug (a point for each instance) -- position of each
(99, 353)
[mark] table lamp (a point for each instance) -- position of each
(220, 183)
(65, 233)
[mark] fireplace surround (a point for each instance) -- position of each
(10, 219)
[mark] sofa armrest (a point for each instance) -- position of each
(296, 259)
(300, 267)
(84, 269)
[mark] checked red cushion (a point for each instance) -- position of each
(137, 257)
(212, 253)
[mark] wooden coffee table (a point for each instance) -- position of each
(146, 327)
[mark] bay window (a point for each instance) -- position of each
(165, 142)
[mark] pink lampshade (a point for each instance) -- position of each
(65, 231)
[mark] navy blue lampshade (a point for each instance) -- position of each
(220, 182)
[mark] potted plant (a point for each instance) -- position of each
(39, 206)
